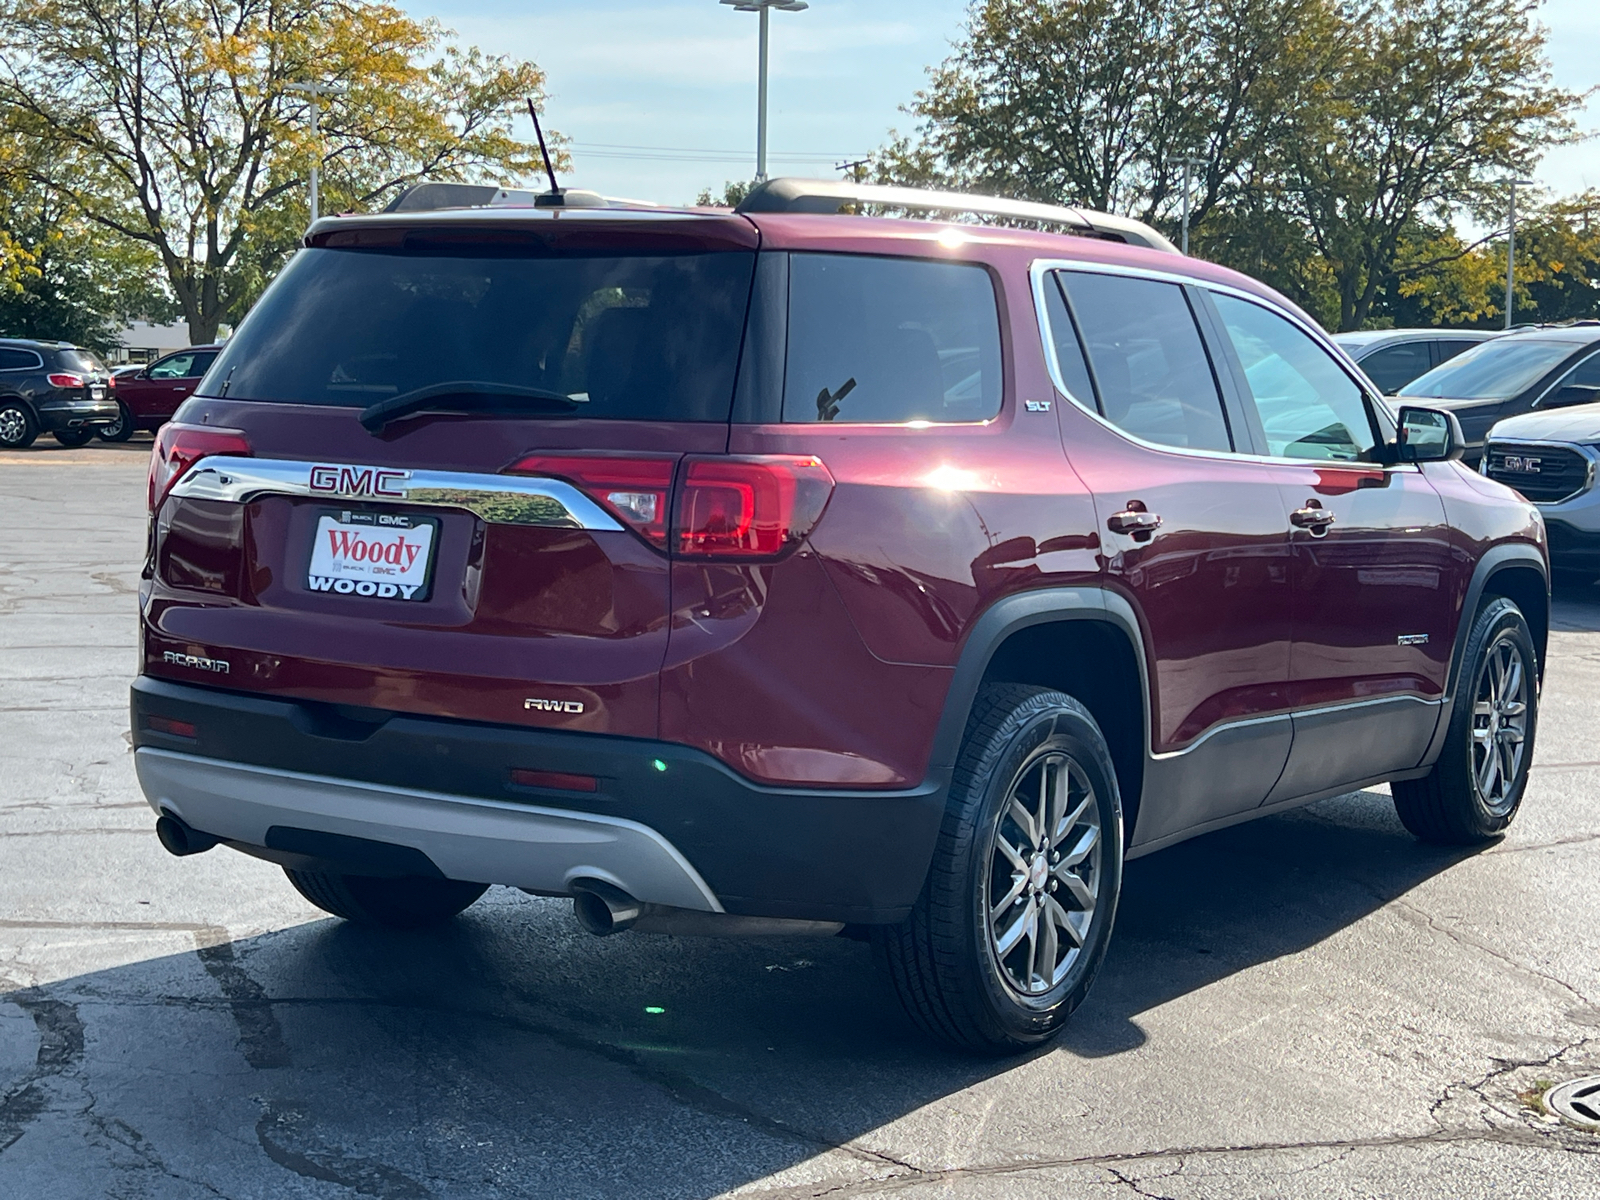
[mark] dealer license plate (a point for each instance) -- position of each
(385, 555)
(97, 391)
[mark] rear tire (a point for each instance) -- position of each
(17, 426)
(73, 438)
(1475, 789)
(119, 430)
(408, 903)
(1014, 919)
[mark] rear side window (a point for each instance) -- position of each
(643, 337)
(1450, 347)
(201, 364)
(1152, 373)
(1308, 406)
(18, 360)
(889, 340)
(1395, 366)
(1068, 348)
(175, 367)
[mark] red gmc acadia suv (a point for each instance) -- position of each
(782, 570)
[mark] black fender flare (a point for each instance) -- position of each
(1496, 559)
(1018, 611)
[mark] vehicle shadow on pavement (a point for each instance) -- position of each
(511, 1054)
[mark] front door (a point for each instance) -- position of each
(1371, 564)
(1192, 533)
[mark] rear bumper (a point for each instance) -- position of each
(61, 415)
(665, 818)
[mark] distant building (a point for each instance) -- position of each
(143, 342)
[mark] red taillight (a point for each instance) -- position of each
(179, 447)
(745, 508)
(111, 381)
(170, 727)
(634, 490)
(560, 780)
(65, 379)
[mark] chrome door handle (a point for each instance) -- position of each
(1314, 518)
(1136, 523)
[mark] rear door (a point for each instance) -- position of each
(1371, 564)
(1192, 532)
(502, 565)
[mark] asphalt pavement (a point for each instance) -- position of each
(1310, 1005)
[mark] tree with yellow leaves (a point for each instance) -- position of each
(172, 123)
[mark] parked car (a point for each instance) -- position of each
(149, 395)
(1541, 368)
(779, 571)
(51, 387)
(1551, 458)
(1392, 358)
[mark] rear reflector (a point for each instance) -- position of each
(179, 447)
(634, 489)
(64, 379)
(558, 780)
(170, 727)
(748, 508)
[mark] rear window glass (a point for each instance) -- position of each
(636, 337)
(79, 360)
(888, 340)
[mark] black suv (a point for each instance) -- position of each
(55, 388)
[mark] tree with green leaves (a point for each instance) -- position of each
(174, 127)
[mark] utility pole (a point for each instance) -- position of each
(313, 93)
(1187, 164)
(764, 7)
(1511, 246)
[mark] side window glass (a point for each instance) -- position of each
(888, 340)
(17, 360)
(202, 364)
(1581, 385)
(1449, 348)
(175, 367)
(1154, 377)
(1068, 349)
(1395, 366)
(1309, 407)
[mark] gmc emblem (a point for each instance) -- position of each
(1518, 462)
(360, 481)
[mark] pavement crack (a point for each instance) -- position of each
(1461, 938)
(260, 1036)
(285, 1137)
(60, 1050)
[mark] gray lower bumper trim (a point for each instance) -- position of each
(484, 841)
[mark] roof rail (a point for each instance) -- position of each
(789, 195)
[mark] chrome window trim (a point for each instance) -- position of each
(496, 499)
(1299, 713)
(1039, 273)
(36, 365)
(1590, 453)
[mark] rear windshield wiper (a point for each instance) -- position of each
(465, 395)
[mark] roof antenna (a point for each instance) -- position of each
(554, 198)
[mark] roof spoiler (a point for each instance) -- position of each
(831, 195)
(422, 197)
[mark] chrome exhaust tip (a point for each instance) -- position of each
(602, 908)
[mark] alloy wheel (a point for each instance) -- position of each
(1044, 872)
(1500, 724)
(13, 426)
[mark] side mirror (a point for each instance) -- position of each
(1568, 396)
(1429, 435)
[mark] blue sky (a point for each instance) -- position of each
(635, 84)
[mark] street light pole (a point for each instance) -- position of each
(1511, 246)
(1186, 164)
(764, 7)
(313, 93)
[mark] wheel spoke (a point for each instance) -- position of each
(1033, 947)
(1059, 916)
(1019, 884)
(1079, 890)
(1011, 855)
(1006, 942)
(1513, 681)
(1042, 821)
(1024, 820)
(1081, 850)
(1051, 947)
(1487, 772)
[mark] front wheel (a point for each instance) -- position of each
(1475, 789)
(408, 903)
(119, 430)
(1015, 915)
(17, 426)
